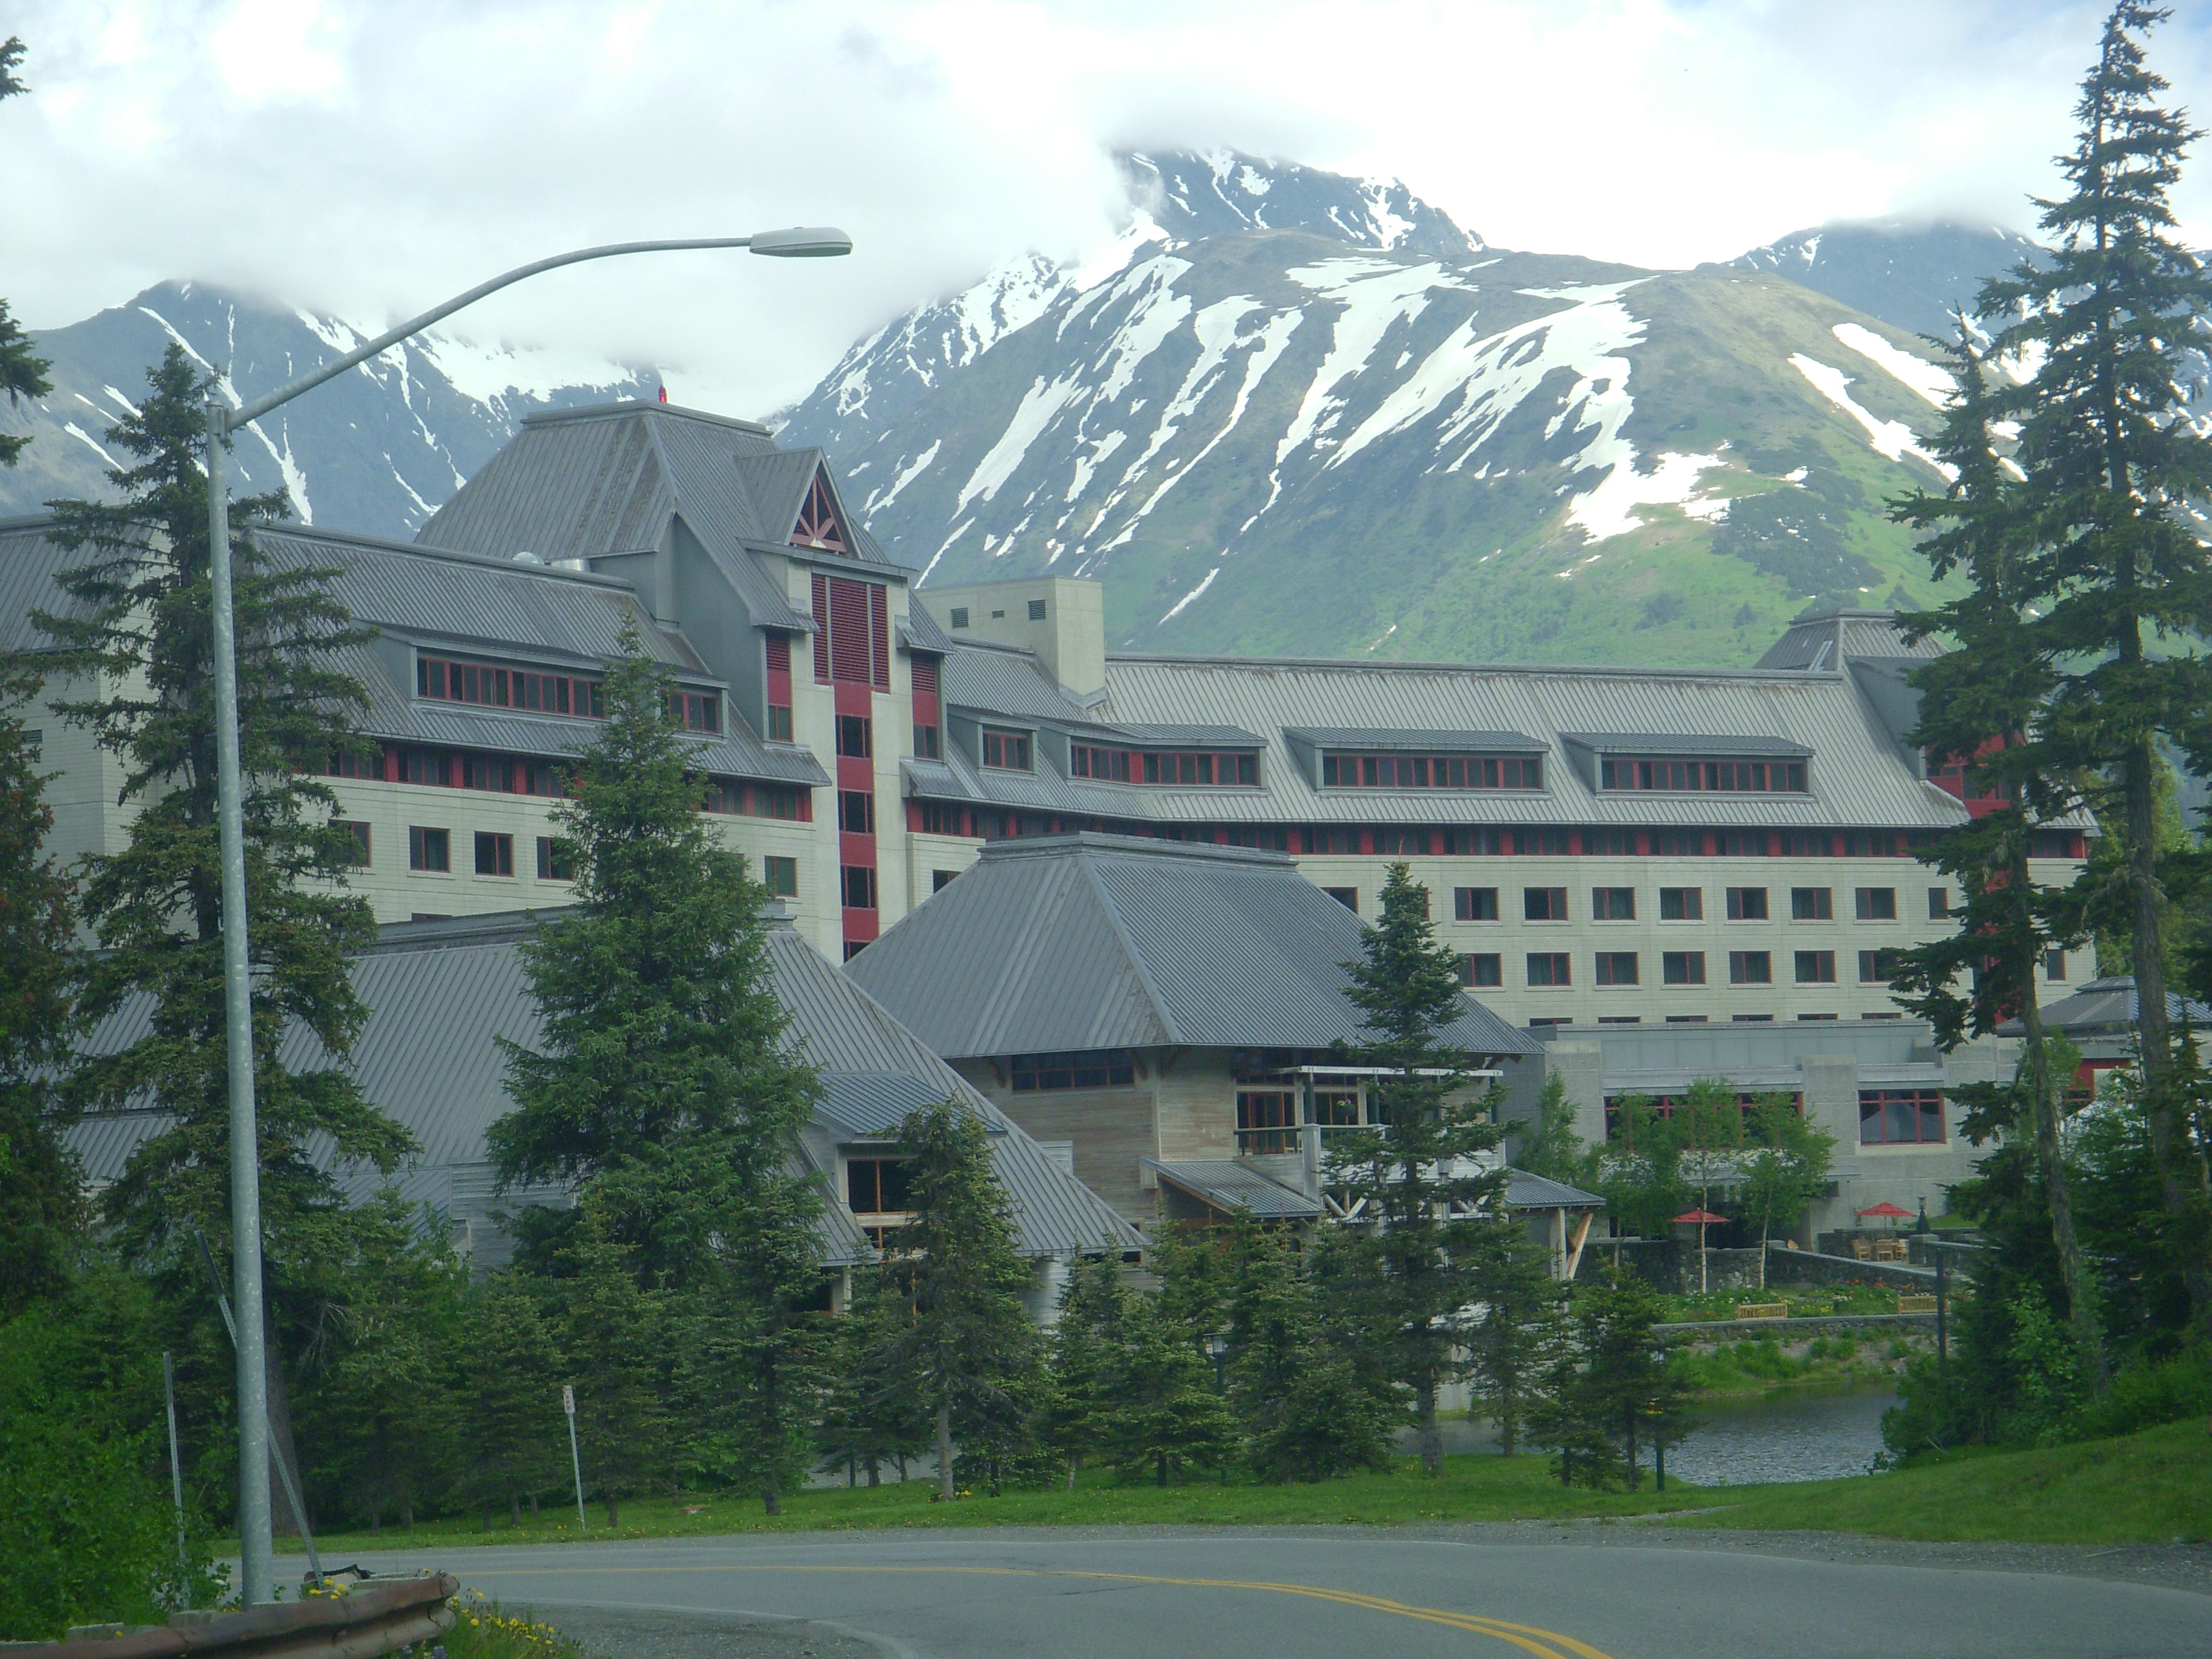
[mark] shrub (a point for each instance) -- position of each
(2146, 1394)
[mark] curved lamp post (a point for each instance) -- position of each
(257, 1547)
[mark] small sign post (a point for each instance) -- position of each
(575, 1463)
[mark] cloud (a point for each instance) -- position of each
(371, 156)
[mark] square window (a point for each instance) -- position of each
(556, 859)
(1544, 904)
(1613, 904)
(925, 742)
(779, 723)
(1485, 967)
(1474, 904)
(1549, 968)
(1682, 967)
(779, 876)
(856, 811)
(1681, 904)
(1746, 904)
(941, 879)
(430, 849)
(1347, 897)
(1939, 904)
(1877, 967)
(1812, 904)
(494, 854)
(1877, 903)
(959, 616)
(1007, 751)
(1616, 967)
(1751, 968)
(357, 833)
(2054, 962)
(1037, 610)
(856, 736)
(860, 883)
(1816, 967)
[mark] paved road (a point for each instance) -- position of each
(947, 1594)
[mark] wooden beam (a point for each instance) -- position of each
(1582, 1237)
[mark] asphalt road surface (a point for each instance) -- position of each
(1280, 1594)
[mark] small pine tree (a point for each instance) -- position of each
(41, 1188)
(1506, 1344)
(869, 1418)
(21, 374)
(1417, 1174)
(1167, 1416)
(1078, 1401)
(506, 1388)
(616, 1334)
(1549, 1145)
(970, 1350)
(138, 638)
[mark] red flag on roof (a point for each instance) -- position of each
(663, 394)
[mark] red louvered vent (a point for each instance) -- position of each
(925, 677)
(879, 637)
(779, 654)
(848, 631)
(822, 626)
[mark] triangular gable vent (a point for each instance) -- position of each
(818, 525)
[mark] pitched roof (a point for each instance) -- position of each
(440, 994)
(1090, 941)
(2109, 1004)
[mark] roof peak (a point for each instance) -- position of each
(638, 406)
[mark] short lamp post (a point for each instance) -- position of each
(256, 1547)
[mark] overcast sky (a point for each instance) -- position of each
(367, 157)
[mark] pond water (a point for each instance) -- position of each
(1788, 1434)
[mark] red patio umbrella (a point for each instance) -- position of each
(1701, 1219)
(1886, 1210)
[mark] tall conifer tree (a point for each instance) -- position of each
(21, 374)
(2117, 575)
(136, 637)
(1435, 1208)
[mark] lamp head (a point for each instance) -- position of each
(811, 242)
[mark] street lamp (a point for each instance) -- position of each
(257, 1547)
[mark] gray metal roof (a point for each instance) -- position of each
(1822, 641)
(1230, 1184)
(1386, 740)
(28, 563)
(2109, 1004)
(1111, 942)
(1861, 777)
(1524, 1191)
(441, 993)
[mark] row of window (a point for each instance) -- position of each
(495, 686)
(1614, 967)
(1082, 1068)
(430, 849)
(1142, 766)
(1688, 904)
(1431, 771)
(1886, 1117)
(1741, 777)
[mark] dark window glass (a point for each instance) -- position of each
(1474, 904)
(1082, 1068)
(357, 836)
(1746, 904)
(1816, 967)
(1616, 967)
(859, 887)
(941, 879)
(430, 849)
(2054, 962)
(876, 1186)
(781, 876)
(1895, 1117)
(1347, 897)
(1682, 967)
(556, 859)
(1877, 903)
(1485, 967)
(1877, 967)
(1613, 903)
(1544, 903)
(494, 854)
(1549, 968)
(1008, 751)
(925, 745)
(1939, 904)
(856, 811)
(1812, 904)
(1681, 904)
(856, 736)
(1751, 968)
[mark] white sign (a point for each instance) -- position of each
(568, 1399)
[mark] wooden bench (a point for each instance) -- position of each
(1915, 1303)
(1762, 1311)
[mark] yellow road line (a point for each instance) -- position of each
(1529, 1637)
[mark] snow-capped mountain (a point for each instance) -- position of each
(1910, 274)
(1276, 417)
(378, 450)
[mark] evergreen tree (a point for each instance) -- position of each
(970, 1349)
(1167, 1415)
(507, 1391)
(870, 1418)
(139, 639)
(1510, 1336)
(1433, 1203)
(616, 1333)
(1606, 1388)
(1979, 705)
(1549, 1145)
(41, 1188)
(1085, 1344)
(2111, 466)
(21, 374)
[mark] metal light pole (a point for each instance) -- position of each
(257, 1547)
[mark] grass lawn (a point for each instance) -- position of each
(2146, 1488)
(1472, 1488)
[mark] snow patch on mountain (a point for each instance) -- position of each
(1893, 439)
(1609, 510)
(1930, 380)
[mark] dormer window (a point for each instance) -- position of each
(1735, 777)
(1007, 751)
(696, 711)
(1154, 766)
(1351, 771)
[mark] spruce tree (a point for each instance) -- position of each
(137, 639)
(1982, 707)
(1086, 1342)
(42, 1187)
(868, 1418)
(1434, 1204)
(970, 1349)
(21, 374)
(1508, 1340)
(508, 1398)
(2115, 574)
(616, 1335)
